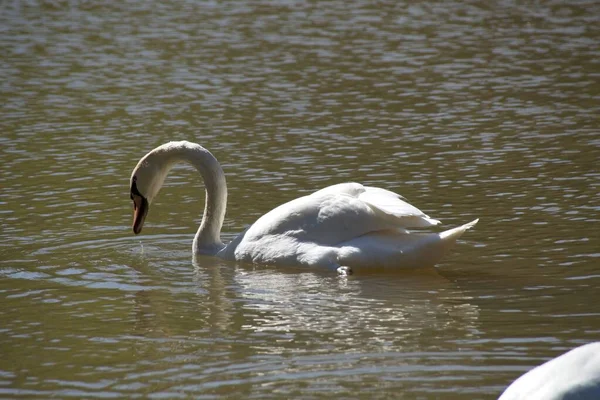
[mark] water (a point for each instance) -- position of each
(467, 109)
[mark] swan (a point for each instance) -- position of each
(575, 375)
(343, 227)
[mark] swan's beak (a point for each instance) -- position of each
(140, 209)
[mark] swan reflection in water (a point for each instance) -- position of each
(343, 227)
(316, 306)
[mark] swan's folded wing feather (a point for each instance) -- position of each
(393, 206)
(337, 214)
(385, 203)
(327, 219)
(349, 188)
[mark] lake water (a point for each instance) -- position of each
(468, 109)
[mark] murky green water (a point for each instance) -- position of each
(467, 109)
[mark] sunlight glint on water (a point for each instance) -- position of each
(468, 110)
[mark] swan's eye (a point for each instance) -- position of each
(134, 189)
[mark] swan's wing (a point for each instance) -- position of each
(394, 206)
(383, 201)
(338, 213)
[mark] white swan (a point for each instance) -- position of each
(574, 375)
(342, 226)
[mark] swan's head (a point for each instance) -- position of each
(146, 180)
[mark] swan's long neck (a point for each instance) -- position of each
(208, 237)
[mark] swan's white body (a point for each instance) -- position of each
(574, 375)
(344, 225)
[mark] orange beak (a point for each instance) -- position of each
(140, 209)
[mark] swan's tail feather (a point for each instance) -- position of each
(401, 249)
(454, 233)
(440, 244)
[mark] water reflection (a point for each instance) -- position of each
(295, 304)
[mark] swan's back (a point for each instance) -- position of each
(339, 213)
(572, 376)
